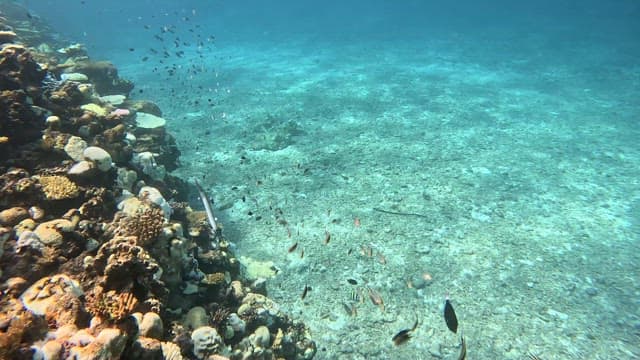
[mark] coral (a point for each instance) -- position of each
(75, 147)
(56, 187)
(206, 341)
(53, 296)
(124, 265)
(171, 351)
(109, 344)
(146, 224)
(111, 305)
(95, 108)
(218, 278)
(104, 76)
(19, 329)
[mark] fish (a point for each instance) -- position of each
(293, 247)
(305, 291)
(352, 281)
(355, 295)
(376, 299)
(351, 309)
(404, 335)
(327, 237)
(207, 209)
(450, 316)
(463, 348)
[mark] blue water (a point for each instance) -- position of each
(510, 128)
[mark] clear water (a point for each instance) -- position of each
(491, 145)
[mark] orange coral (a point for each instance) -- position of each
(112, 305)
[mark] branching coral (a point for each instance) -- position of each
(56, 187)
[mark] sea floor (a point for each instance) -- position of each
(506, 178)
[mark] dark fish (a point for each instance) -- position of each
(301, 253)
(293, 247)
(404, 335)
(304, 292)
(352, 282)
(450, 316)
(463, 348)
(327, 237)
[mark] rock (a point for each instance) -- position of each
(13, 216)
(206, 341)
(7, 36)
(51, 232)
(36, 213)
(261, 337)
(146, 162)
(109, 344)
(145, 348)
(82, 168)
(75, 148)
(99, 156)
(145, 106)
(196, 317)
(151, 326)
(113, 99)
(79, 77)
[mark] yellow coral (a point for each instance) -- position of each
(95, 108)
(56, 187)
(214, 279)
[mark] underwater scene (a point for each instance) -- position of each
(246, 179)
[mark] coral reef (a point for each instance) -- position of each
(94, 258)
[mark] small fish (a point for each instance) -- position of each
(376, 299)
(327, 237)
(382, 259)
(404, 335)
(352, 281)
(463, 348)
(301, 253)
(450, 316)
(293, 247)
(351, 309)
(305, 291)
(356, 222)
(355, 295)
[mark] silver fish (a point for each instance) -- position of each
(207, 209)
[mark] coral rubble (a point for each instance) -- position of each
(94, 259)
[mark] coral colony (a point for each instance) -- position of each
(101, 257)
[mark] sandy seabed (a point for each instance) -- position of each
(509, 183)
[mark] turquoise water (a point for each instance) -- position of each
(491, 150)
